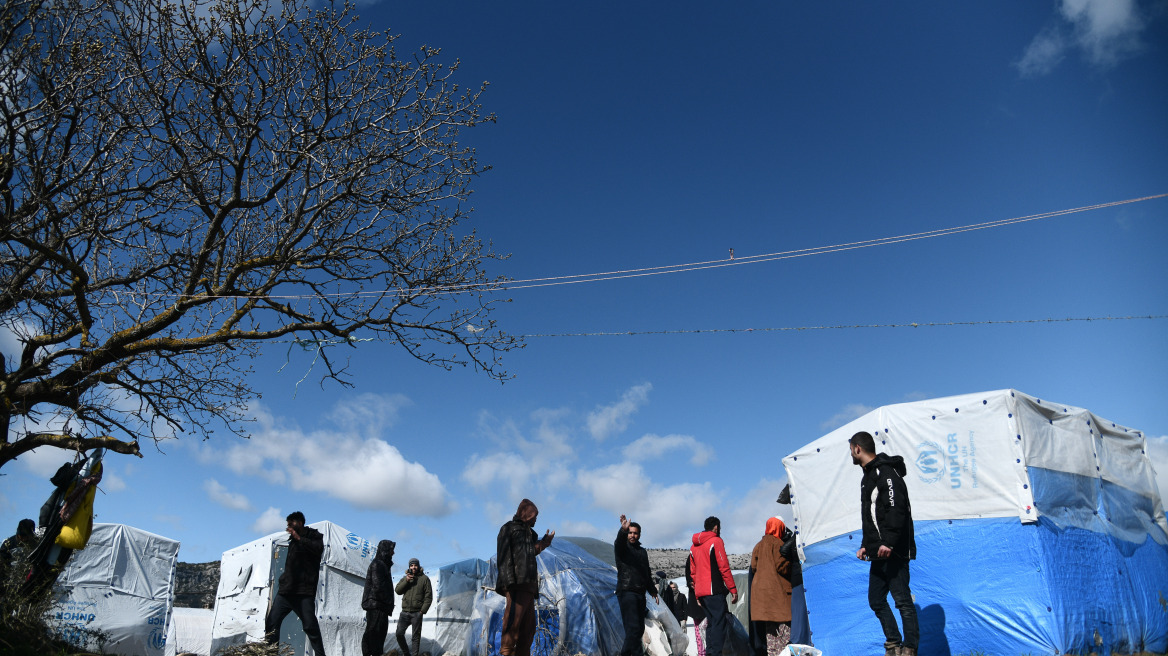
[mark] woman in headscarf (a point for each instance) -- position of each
(770, 588)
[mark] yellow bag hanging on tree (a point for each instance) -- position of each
(75, 533)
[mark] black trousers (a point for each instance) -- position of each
(716, 626)
(305, 608)
(891, 575)
(376, 628)
(407, 620)
(632, 608)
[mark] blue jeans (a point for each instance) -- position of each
(891, 575)
(632, 608)
(716, 627)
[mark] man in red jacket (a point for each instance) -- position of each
(712, 579)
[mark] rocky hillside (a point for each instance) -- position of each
(195, 583)
(672, 561)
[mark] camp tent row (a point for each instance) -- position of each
(1039, 528)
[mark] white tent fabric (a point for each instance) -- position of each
(121, 584)
(1039, 529)
(246, 585)
(190, 631)
(968, 457)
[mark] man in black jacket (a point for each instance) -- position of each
(886, 517)
(518, 578)
(633, 580)
(377, 600)
(297, 586)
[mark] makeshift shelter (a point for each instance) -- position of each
(577, 610)
(1039, 529)
(248, 578)
(456, 587)
(189, 632)
(122, 585)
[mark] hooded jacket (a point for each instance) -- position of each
(632, 566)
(302, 568)
(770, 585)
(709, 566)
(378, 594)
(886, 512)
(516, 549)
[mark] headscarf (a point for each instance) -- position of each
(775, 527)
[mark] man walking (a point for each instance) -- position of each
(712, 580)
(888, 542)
(633, 580)
(416, 595)
(377, 600)
(297, 586)
(518, 579)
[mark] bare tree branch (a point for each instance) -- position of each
(182, 182)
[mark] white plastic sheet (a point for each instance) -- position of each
(121, 584)
(967, 457)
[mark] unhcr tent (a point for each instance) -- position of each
(121, 584)
(1039, 529)
(248, 576)
(190, 631)
(576, 612)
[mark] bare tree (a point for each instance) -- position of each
(182, 182)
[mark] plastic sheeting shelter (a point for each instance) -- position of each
(1039, 529)
(248, 576)
(577, 611)
(457, 586)
(190, 631)
(121, 584)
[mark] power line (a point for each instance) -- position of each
(928, 324)
(575, 279)
(316, 344)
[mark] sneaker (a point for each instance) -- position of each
(892, 649)
(908, 651)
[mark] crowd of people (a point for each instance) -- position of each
(775, 571)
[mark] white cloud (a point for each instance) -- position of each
(651, 447)
(174, 520)
(1043, 54)
(111, 482)
(220, 495)
(1104, 31)
(526, 467)
(270, 521)
(45, 460)
(606, 421)
(668, 514)
(744, 525)
(349, 461)
(1157, 449)
(848, 413)
(582, 529)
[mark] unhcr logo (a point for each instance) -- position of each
(158, 639)
(930, 462)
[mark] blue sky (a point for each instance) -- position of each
(663, 134)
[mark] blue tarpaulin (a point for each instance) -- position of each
(1039, 530)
